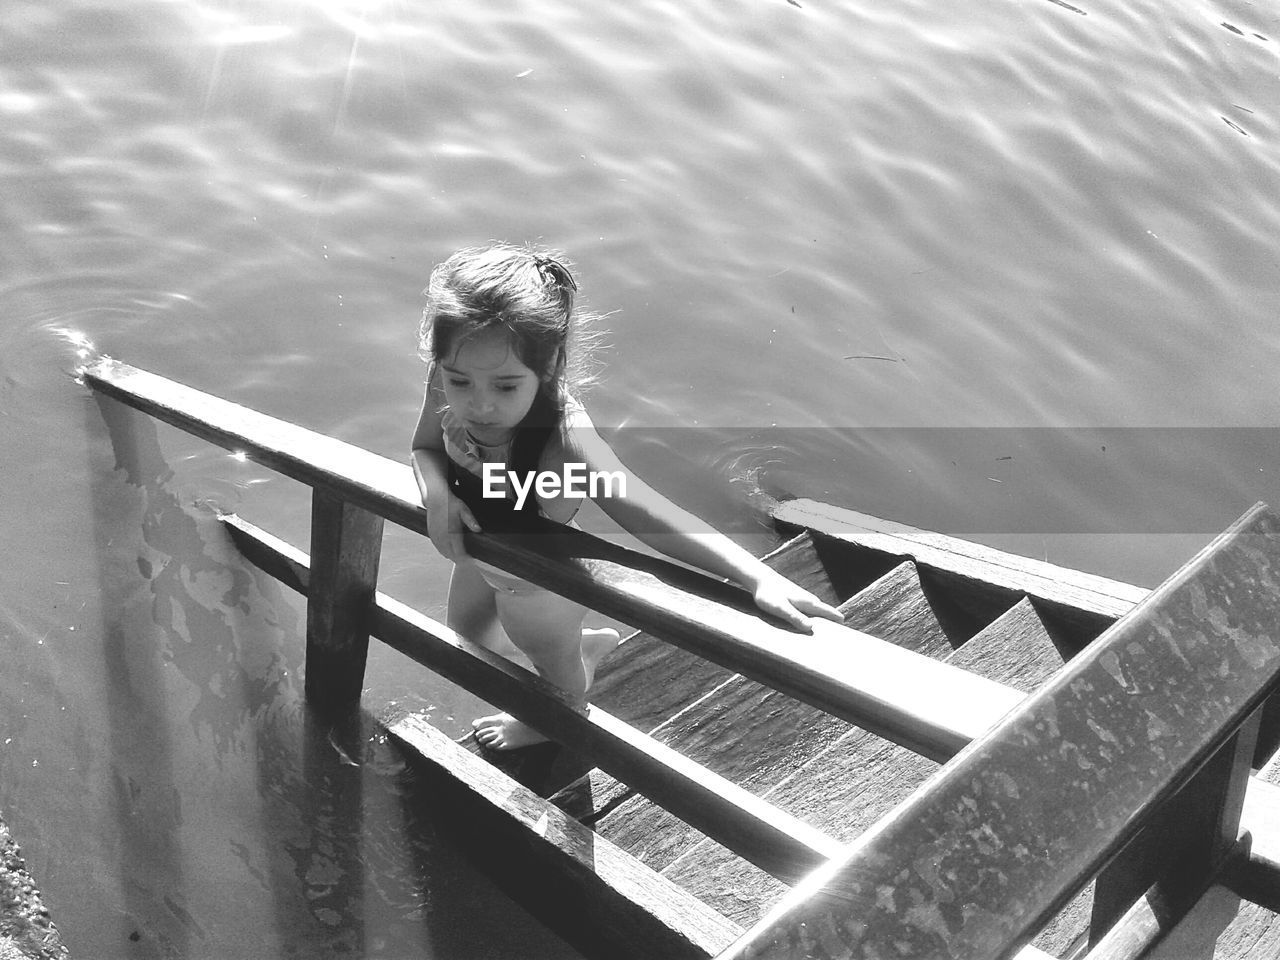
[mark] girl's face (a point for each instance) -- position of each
(488, 386)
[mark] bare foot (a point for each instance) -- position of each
(504, 732)
(596, 645)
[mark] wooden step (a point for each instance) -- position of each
(859, 777)
(897, 608)
(755, 736)
(800, 561)
(595, 896)
(646, 682)
(1075, 605)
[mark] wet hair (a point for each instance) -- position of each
(525, 292)
(529, 294)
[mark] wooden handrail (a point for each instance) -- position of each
(985, 853)
(768, 837)
(926, 706)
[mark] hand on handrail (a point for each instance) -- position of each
(447, 517)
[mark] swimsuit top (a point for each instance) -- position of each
(466, 459)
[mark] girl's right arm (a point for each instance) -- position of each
(446, 514)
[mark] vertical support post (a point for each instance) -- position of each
(1269, 735)
(1181, 849)
(346, 543)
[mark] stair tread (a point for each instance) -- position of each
(859, 776)
(757, 737)
(895, 608)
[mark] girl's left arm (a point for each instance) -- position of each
(663, 525)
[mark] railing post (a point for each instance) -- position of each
(346, 542)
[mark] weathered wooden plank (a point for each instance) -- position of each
(924, 705)
(768, 837)
(1094, 601)
(859, 777)
(755, 736)
(1016, 650)
(743, 734)
(1005, 833)
(646, 682)
(895, 608)
(593, 894)
(346, 542)
(800, 562)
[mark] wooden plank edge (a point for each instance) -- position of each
(1047, 582)
(773, 840)
(596, 896)
(848, 674)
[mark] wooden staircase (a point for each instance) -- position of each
(821, 770)
(906, 781)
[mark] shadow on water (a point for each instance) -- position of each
(147, 804)
(246, 825)
(235, 688)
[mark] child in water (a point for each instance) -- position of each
(499, 333)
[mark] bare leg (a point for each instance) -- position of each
(548, 628)
(597, 643)
(473, 613)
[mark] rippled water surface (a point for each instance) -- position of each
(948, 263)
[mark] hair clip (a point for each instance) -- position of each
(554, 272)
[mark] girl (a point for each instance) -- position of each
(499, 335)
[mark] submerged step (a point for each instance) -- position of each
(593, 894)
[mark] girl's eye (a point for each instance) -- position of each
(458, 384)
(507, 388)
